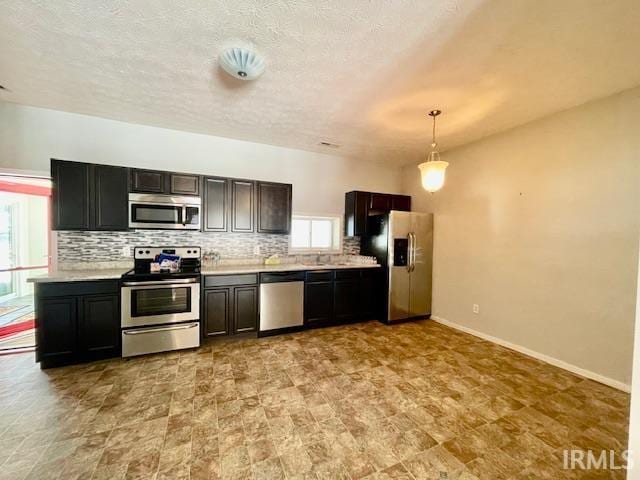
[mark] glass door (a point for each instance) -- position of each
(24, 252)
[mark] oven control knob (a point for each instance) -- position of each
(147, 252)
(140, 251)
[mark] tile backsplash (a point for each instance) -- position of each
(93, 246)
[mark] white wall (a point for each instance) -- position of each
(634, 423)
(30, 136)
(539, 226)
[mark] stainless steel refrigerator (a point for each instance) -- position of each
(403, 244)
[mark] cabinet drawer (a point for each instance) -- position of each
(227, 280)
(319, 276)
(58, 289)
(281, 277)
(347, 274)
(371, 272)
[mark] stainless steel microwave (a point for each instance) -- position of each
(164, 211)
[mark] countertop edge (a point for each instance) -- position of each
(80, 276)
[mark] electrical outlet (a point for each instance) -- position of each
(256, 250)
(126, 252)
(476, 308)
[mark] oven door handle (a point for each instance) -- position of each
(167, 283)
(159, 329)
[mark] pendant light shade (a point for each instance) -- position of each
(433, 175)
(433, 170)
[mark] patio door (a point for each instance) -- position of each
(24, 252)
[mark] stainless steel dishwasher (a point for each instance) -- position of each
(281, 300)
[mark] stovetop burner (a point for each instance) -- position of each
(144, 256)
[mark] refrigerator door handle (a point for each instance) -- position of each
(409, 249)
(413, 251)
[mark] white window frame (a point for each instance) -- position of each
(336, 247)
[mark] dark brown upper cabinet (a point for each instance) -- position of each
(155, 181)
(356, 211)
(216, 204)
(70, 195)
(360, 205)
(243, 205)
(274, 207)
(401, 203)
(88, 197)
(148, 181)
(110, 199)
(181, 184)
(379, 203)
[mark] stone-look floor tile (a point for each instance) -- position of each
(296, 461)
(269, 469)
(356, 401)
(261, 450)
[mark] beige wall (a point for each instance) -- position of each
(539, 226)
(30, 136)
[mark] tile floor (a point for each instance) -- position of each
(412, 401)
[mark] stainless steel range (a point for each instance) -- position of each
(160, 311)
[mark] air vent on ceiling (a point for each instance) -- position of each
(329, 145)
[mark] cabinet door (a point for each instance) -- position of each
(380, 203)
(242, 205)
(356, 211)
(216, 199)
(274, 207)
(148, 181)
(217, 303)
(181, 184)
(401, 203)
(318, 303)
(245, 310)
(110, 198)
(56, 327)
(370, 294)
(346, 299)
(99, 327)
(70, 195)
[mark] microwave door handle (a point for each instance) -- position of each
(184, 215)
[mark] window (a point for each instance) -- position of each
(315, 234)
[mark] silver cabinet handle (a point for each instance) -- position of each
(159, 329)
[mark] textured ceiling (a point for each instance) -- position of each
(361, 74)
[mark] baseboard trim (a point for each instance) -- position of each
(538, 356)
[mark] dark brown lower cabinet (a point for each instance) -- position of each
(346, 299)
(340, 296)
(77, 322)
(245, 311)
(99, 326)
(231, 307)
(216, 312)
(56, 328)
(318, 303)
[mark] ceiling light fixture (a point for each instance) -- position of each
(432, 171)
(242, 63)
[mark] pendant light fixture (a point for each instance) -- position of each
(432, 171)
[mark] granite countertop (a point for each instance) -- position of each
(116, 273)
(79, 275)
(285, 267)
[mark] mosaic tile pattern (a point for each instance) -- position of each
(366, 401)
(107, 246)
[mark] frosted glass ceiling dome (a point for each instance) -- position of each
(242, 63)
